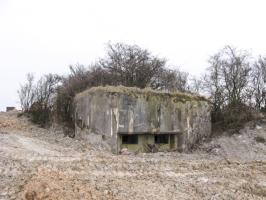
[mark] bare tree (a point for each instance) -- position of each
(79, 79)
(171, 80)
(196, 85)
(228, 76)
(227, 83)
(232, 83)
(129, 65)
(258, 76)
(46, 89)
(44, 99)
(235, 69)
(27, 94)
(75, 82)
(213, 85)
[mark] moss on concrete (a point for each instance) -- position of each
(153, 107)
(147, 92)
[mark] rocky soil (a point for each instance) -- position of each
(43, 164)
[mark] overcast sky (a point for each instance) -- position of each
(43, 36)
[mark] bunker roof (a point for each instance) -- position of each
(134, 91)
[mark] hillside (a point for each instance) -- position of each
(39, 164)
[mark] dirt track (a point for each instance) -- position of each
(41, 164)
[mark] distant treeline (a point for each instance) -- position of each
(234, 82)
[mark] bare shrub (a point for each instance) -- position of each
(227, 82)
(171, 80)
(129, 65)
(79, 79)
(233, 83)
(40, 114)
(258, 83)
(37, 99)
(27, 93)
(234, 116)
(45, 92)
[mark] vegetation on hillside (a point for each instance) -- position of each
(234, 82)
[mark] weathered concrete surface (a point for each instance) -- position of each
(103, 113)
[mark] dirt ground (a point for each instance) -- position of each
(39, 164)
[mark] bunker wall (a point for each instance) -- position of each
(102, 116)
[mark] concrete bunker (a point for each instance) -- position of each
(148, 142)
(142, 120)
